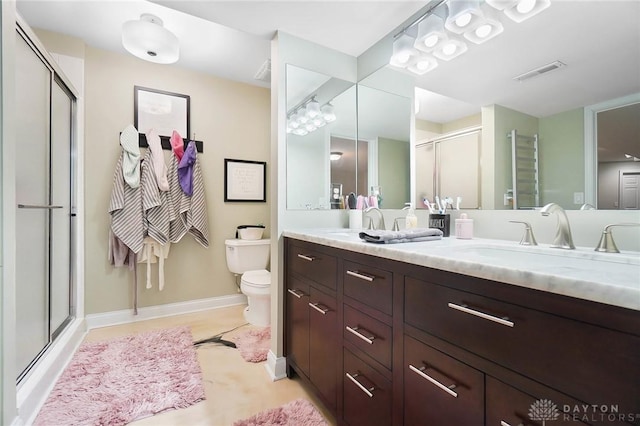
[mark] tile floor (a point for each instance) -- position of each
(235, 389)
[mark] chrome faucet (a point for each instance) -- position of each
(606, 243)
(563, 234)
(380, 223)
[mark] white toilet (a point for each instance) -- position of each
(250, 258)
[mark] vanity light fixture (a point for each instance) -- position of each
(308, 116)
(463, 14)
(147, 39)
(441, 28)
(335, 155)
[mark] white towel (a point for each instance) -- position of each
(131, 158)
(404, 236)
(157, 156)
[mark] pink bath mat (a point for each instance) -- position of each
(117, 381)
(295, 413)
(253, 344)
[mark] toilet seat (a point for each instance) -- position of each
(259, 278)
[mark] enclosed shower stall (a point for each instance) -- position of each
(45, 112)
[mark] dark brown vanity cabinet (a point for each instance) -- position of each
(312, 337)
(419, 346)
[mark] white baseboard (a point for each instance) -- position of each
(126, 316)
(276, 366)
(34, 388)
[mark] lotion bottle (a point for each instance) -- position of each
(464, 227)
(411, 221)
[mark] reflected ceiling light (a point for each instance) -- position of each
(450, 49)
(313, 109)
(335, 156)
(463, 14)
(328, 113)
(423, 64)
(525, 9)
(403, 51)
(147, 39)
(431, 30)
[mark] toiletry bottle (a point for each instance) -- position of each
(464, 227)
(411, 221)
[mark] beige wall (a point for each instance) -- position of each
(232, 119)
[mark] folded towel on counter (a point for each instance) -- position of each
(404, 236)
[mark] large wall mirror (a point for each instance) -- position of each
(362, 150)
(480, 88)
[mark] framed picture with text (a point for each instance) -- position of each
(245, 180)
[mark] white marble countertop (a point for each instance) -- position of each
(611, 278)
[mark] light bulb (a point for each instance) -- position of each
(483, 30)
(318, 121)
(422, 65)
(463, 20)
(431, 41)
(525, 6)
(310, 127)
(449, 49)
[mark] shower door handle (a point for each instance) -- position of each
(39, 206)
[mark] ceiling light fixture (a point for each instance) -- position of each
(147, 39)
(436, 34)
(335, 155)
(307, 116)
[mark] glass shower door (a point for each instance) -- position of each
(44, 111)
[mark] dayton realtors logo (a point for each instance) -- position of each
(545, 409)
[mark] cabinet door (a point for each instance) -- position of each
(507, 406)
(298, 325)
(440, 390)
(367, 394)
(324, 345)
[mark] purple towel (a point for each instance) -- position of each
(185, 168)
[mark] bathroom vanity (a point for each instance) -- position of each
(454, 332)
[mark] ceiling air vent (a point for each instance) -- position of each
(540, 70)
(264, 73)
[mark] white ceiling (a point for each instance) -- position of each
(599, 40)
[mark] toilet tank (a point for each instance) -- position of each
(247, 255)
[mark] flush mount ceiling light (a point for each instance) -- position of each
(335, 156)
(147, 39)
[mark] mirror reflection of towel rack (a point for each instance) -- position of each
(524, 165)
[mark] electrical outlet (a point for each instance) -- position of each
(578, 198)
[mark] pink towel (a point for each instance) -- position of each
(178, 145)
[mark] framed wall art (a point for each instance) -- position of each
(162, 111)
(245, 180)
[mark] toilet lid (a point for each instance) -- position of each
(261, 277)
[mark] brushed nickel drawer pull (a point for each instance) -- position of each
(323, 311)
(503, 423)
(447, 389)
(308, 258)
(365, 390)
(355, 331)
(361, 276)
(467, 310)
(295, 293)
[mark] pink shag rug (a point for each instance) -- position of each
(295, 413)
(115, 382)
(253, 344)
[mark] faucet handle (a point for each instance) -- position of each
(606, 243)
(527, 239)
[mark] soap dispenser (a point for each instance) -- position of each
(411, 221)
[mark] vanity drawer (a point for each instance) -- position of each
(369, 285)
(367, 394)
(440, 390)
(314, 265)
(591, 363)
(508, 406)
(368, 334)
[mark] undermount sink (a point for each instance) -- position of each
(556, 261)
